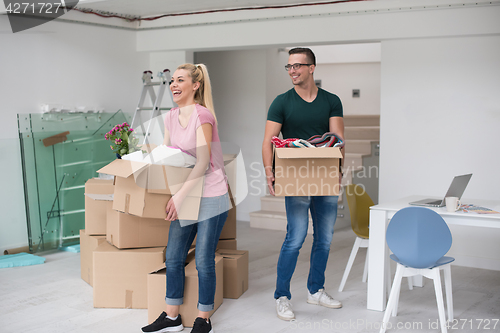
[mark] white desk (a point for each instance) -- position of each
(379, 252)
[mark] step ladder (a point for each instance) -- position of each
(156, 99)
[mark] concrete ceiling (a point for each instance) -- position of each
(147, 8)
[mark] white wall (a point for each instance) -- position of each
(277, 78)
(342, 68)
(440, 117)
(342, 78)
(159, 61)
(57, 63)
(239, 90)
(347, 53)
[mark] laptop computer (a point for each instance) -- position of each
(456, 189)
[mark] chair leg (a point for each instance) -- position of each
(388, 276)
(396, 303)
(354, 251)
(396, 286)
(439, 298)
(365, 270)
(410, 286)
(449, 294)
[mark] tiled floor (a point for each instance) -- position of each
(52, 297)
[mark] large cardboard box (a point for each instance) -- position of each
(120, 276)
(235, 272)
(95, 206)
(230, 167)
(127, 231)
(87, 246)
(307, 171)
(188, 310)
(144, 189)
(229, 230)
(227, 244)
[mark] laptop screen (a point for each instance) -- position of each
(458, 185)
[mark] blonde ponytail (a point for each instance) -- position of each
(203, 95)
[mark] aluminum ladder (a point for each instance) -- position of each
(156, 99)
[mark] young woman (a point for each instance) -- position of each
(192, 127)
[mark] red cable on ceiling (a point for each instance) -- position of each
(133, 19)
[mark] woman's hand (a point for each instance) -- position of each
(173, 205)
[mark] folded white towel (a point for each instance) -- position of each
(165, 155)
(137, 156)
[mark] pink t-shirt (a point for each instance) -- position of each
(185, 139)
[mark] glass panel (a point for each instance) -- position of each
(59, 153)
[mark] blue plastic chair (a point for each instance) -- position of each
(419, 238)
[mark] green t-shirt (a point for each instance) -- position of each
(301, 119)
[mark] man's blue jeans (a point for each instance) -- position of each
(180, 239)
(324, 214)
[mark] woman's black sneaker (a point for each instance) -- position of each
(164, 324)
(202, 326)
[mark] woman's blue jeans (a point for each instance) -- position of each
(180, 239)
(324, 214)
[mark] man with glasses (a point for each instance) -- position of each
(302, 112)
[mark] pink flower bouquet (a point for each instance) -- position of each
(122, 139)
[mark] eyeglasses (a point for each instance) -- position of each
(295, 66)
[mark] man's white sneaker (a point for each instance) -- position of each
(322, 298)
(284, 308)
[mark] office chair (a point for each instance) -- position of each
(419, 238)
(359, 203)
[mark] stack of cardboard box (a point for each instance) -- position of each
(126, 234)
(94, 233)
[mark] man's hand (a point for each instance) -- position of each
(270, 183)
(272, 129)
